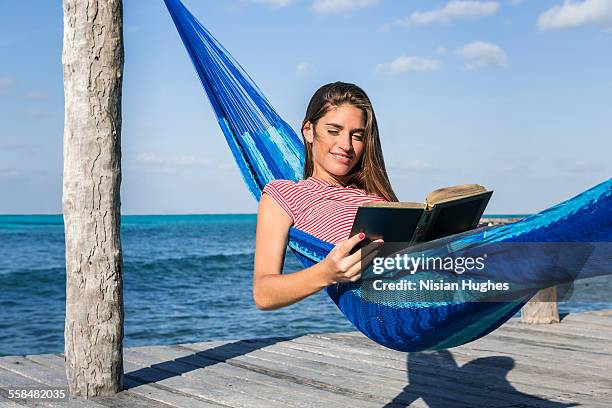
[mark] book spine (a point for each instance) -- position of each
(422, 227)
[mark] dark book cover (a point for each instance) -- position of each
(448, 211)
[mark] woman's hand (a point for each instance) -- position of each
(342, 266)
(271, 289)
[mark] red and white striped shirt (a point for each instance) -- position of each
(318, 207)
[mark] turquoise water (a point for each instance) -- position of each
(187, 278)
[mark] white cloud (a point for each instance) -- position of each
(6, 82)
(274, 3)
(479, 54)
(405, 63)
(303, 68)
(574, 14)
(175, 164)
(341, 6)
(36, 95)
(412, 165)
(8, 172)
(156, 160)
(191, 161)
(454, 10)
(149, 158)
(441, 50)
(33, 113)
(131, 28)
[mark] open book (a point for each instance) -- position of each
(446, 211)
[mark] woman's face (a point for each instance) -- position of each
(337, 142)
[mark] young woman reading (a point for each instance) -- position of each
(343, 168)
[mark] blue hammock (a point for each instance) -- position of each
(266, 148)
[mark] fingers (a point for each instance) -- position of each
(369, 248)
(348, 244)
(364, 251)
(356, 270)
(347, 265)
(367, 260)
(353, 274)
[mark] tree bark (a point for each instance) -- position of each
(93, 67)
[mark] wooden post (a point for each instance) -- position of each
(92, 59)
(542, 308)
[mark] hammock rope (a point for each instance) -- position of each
(533, 253)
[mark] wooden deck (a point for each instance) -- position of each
(561, 365)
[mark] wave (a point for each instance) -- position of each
(229, 258)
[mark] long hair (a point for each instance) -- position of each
(369, 172)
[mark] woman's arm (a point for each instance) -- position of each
(271, 289)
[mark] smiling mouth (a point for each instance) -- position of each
(341, 157)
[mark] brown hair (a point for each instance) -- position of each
(369, 173)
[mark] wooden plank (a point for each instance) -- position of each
(273, 371)
(557, 341)
(531, 355)
(12, 379)
(343, 381)
(354, 344)
(53, 375)
(9, 379)
(589, 331)
(518, 365)
(576, 359)
(167, 395)
(163, 379)
(466, 377)
(28, 368)
(152, 392)
(224, 354)
(463, 376)
(7, 403)
(257, 393)
(586, 333)
(206, 344)
(603, 313)
(127, 399)
(604, 322)
(528, 373)
(465, 370)
(298, 392)
(189, 385)
(377, 373)
(292, 393)
(579, 338)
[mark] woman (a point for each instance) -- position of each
(343, 168)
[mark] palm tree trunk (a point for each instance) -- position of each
(93, 67)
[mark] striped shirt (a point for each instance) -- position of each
(319, 207)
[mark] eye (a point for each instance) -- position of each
(333, 131)
(358, 136)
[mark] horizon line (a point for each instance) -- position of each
(182, 214)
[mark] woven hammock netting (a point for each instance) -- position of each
(557, 246)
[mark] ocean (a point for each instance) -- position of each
(187, 278)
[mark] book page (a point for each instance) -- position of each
(445, 194)
(405, 204)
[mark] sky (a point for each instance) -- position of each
(514, 95)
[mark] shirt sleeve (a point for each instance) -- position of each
(280, 191)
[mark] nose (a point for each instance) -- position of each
(345, 142)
